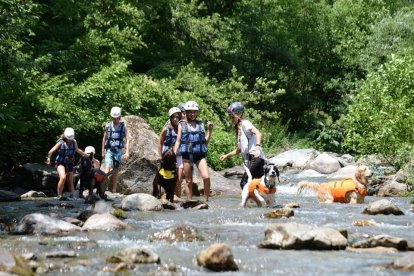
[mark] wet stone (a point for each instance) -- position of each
(363, 222)
(60, 254)
(217, 257)
(180, 233)
(279, 213)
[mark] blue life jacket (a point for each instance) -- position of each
(170, 138)
(115, 136)
(193, 141)
(66, 152)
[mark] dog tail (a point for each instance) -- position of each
(249, 174)
(307, 185)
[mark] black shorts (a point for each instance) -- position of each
(194, 158)
(256, 167)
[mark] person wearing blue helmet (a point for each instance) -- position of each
(248, 143)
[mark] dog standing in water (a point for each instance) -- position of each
(166, 176)
(261, 190)
(350, 190)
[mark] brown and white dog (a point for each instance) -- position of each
(350, 190)
(261, 190)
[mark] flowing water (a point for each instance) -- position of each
(224, 221)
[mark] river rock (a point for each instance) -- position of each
(104, 222)
(60, 254)
(141, 202)
(324, 163)
(363, 222)
(135, 255)
(6, 196)
(297, 158)
(37, 223)
(167, 205)
(405, 263)
(292, 205)
(382, 206)
(279, 213)
(180, 233)
(392, 189)
(194, 204)
(309, 173)
(384, 241)
(345, 172)
(33, 194)
(378, 249)
(293, 235)
(219, 184)
(217, 257)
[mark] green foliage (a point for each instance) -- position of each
(381, 113)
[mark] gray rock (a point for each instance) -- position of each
(135, 255)
(383, 241)
(392, 189)
(142, 202)
(37, 223)
(405, 263)
(382, 206)
(104, 222)
(180, 233)
(296, 159)
(279, 213)
(7, 196)
(345, 172)
(33, 194)
(217, 257)
(293, 235)
(324, 163)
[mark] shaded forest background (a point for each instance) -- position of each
(334, 75)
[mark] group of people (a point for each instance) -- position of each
(183, 133)
(115, 139)
(186, 135)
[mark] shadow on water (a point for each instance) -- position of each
(226, 222)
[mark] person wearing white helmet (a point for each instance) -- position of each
(191, 144)
(248, 143)
(168, 136)
(114, 140)
(65, 160)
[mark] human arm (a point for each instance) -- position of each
(103, 142)
(230, 154)
(258, 134)
(126, 155)
(161, 142)
(177, 142)
(51, 151)
(210, 130)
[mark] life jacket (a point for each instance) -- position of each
(99, 175)
(166, 174)
(170, 138)
(66, 152)
(341, 187)
(255, 184)
(193, 141)
(115, 136)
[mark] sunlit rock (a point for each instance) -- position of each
(217, 257)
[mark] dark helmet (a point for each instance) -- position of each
(235, 107)
(181, 106)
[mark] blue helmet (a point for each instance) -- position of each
(235, 107)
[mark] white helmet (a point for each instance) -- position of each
(173, 110)
(115, 112)
(69, 133)
(89, 149)
(191, 105)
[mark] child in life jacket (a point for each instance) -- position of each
(248, 143)
(99, 175)
(168, 137)
(113, 142)
(191, 144)
(66, 147)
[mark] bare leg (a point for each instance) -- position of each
(70, 180)
(114, 180)
(203, 168)
(107, 169)
(179, 180)
(188, 180)
(62, 179)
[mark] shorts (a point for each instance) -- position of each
(256, 168)
(113, 158)
(69, 165)
(179, 160)
(193, 158)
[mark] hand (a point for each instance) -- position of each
(210, 126)
(223, 157)
(48, 161)
(257, 153)
(125, 156)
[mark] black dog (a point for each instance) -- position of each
(87, 180)
(166, 176)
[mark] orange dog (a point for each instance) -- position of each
(350, 190)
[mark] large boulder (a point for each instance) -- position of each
(9, 196)
(297, 159)
(324, 163)
(141, 202)
(384, 207)
(37, 223)
(104, 222)
(40, 177)
(217, 257)
(392, 189)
